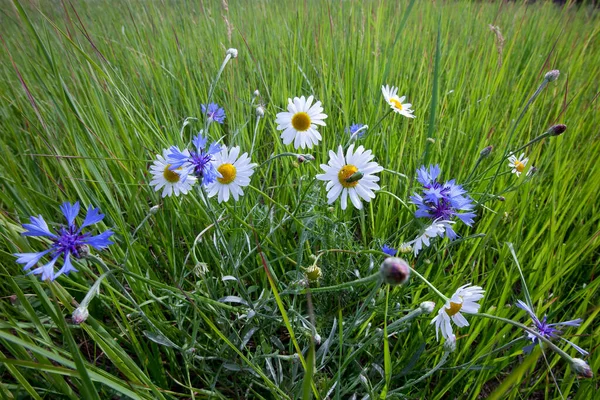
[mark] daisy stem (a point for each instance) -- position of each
(277, 156)
(527, 329)
(513, 130)
(381, 120)
(421, 277)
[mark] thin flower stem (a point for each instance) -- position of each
(381, 120)
(277, 156)
(421, 277)
(254, 136)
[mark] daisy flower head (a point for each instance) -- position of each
(517, 163)
(234, 173)
(170, 181)
(299, 123)
(463, 300)
(390, 94)
(213, 113)
(198, 162)
(549, 331)
(442, 201)
(351, 176)
(69, 241)
(437, 228)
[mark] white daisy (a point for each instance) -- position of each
(517, 163)
(235, 174)
(357, 165)
(397, 103)
(437, 228)
(173, 182)
(299, 124)
(465, 300)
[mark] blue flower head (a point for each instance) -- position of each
(390, 251)
(352, 129)
(549, 331)
(67, 241)
(442, 201)
(198, 162)
(213, 113)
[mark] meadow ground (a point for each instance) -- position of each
(199, 299)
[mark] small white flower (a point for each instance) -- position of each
(465, 300)
(437, 228)
(517, 163)
(397, 103)
(232, 52)
(299, 124)
(356, 164)
(235, 174)
(174, 182)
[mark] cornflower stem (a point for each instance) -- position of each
(421, 277)
(527, 329)
(387, 362)
(474, 168)
(514, 128)
(287, 154)
(213, 85)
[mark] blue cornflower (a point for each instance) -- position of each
(356, 128)
(213, 112)
(547, 330)
(390, 251)
(68, 241)
(442, 201)
(198, 162)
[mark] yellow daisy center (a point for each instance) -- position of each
(454, 308)
(301, 121)
(171, 176)
(519, 166)
(346, 172)
(396, 103)
(228, 173)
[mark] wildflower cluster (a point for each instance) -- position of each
(351, 175)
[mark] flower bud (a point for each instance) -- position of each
(83, 251)
(486, 151)
(302, 158)
(394, 271)
(582, 368)
(427, 307)
(450, 344)
(330, 209)
(500, 198)
(313, 273)
(260, 111)
(557, 129)
(256, 93)
(552, 75)
(232, 52)
(154, 209)
(80, 315)
(431, 140)
(405, 248)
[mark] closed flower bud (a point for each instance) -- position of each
(256, 93)
(552, 75)
(394, 271)
(582, 368)
(83, 251)
(260, 111)
(154, 209)
(500, 198)
(427, 306)
(80, 315)
(431, 140)
(405, 248)
(557, 129)
(302, 158)
(232, 52)
(486, 151)
(450, 344)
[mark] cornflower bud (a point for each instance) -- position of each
(394, 271)
(582, 368)
(154, 209)
(232, 52)
(256, 93)
(552, 75)
(486, 151)
(302, 158)
(557, 129)
(260, 111)
(427, 306)
(80, 315)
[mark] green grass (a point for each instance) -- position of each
(92, 91)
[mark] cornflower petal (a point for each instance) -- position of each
(37, 227)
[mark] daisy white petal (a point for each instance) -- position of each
(299, 124)
(235, 172)
(463, 300)
(171, 181)
(390, 94)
